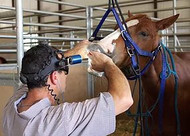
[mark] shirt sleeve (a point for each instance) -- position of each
(93, 117)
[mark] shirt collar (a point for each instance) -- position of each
(34, 109)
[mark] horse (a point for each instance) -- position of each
(144, 32)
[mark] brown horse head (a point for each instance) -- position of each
(145, 35)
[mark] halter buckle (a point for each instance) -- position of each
(130, 52)
(91, 39)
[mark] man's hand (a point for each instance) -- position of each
(99, 61)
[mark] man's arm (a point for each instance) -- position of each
(118, 85)
(80, 48)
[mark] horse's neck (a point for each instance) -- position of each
(151, 78)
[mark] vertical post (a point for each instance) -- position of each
(13, 3)
(19, 30)
(72, 43)
(60, 17)
(174, 27)
(89, 25)
(167, 38)
(39, 16)
(89, 21)
(155, 7)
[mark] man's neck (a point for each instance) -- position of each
(34, 96)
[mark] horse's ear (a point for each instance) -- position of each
(129, 14)
(165, 23)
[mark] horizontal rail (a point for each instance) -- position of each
(6, 76)
(7, 7)
(43, 25)
(54, 26)
(12, 66)
(40, 12)
(134, 2)
(53, 14)
(164, 9)
(42, 38)
(53, 38)
(63, 3)
(149, 11)
(8, 36)
(8, 50)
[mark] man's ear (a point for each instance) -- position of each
(53, 77)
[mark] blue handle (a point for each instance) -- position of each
(75, 59)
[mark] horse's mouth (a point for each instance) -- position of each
(97, 47)
(127, 70)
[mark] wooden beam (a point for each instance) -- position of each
(60, 18)
(155, 7)
(13, 3)
(39, 18)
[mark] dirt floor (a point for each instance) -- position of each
(124, 126)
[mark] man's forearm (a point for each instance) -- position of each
(79, 49)
(119, 88)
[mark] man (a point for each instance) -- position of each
(32, 111)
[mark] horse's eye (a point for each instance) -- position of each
(144, 34)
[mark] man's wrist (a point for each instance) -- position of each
(109, 67)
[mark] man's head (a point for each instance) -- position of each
(38, 63)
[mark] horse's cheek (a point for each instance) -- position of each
(118, 59)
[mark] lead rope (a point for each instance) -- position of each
(140, 114)
(173, 71)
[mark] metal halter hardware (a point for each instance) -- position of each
(130, 52)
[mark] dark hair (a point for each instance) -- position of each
(37, 64)
(3, 60)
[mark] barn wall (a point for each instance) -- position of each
(5, 93)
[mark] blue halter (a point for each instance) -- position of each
(133, 50)
(131, 47)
